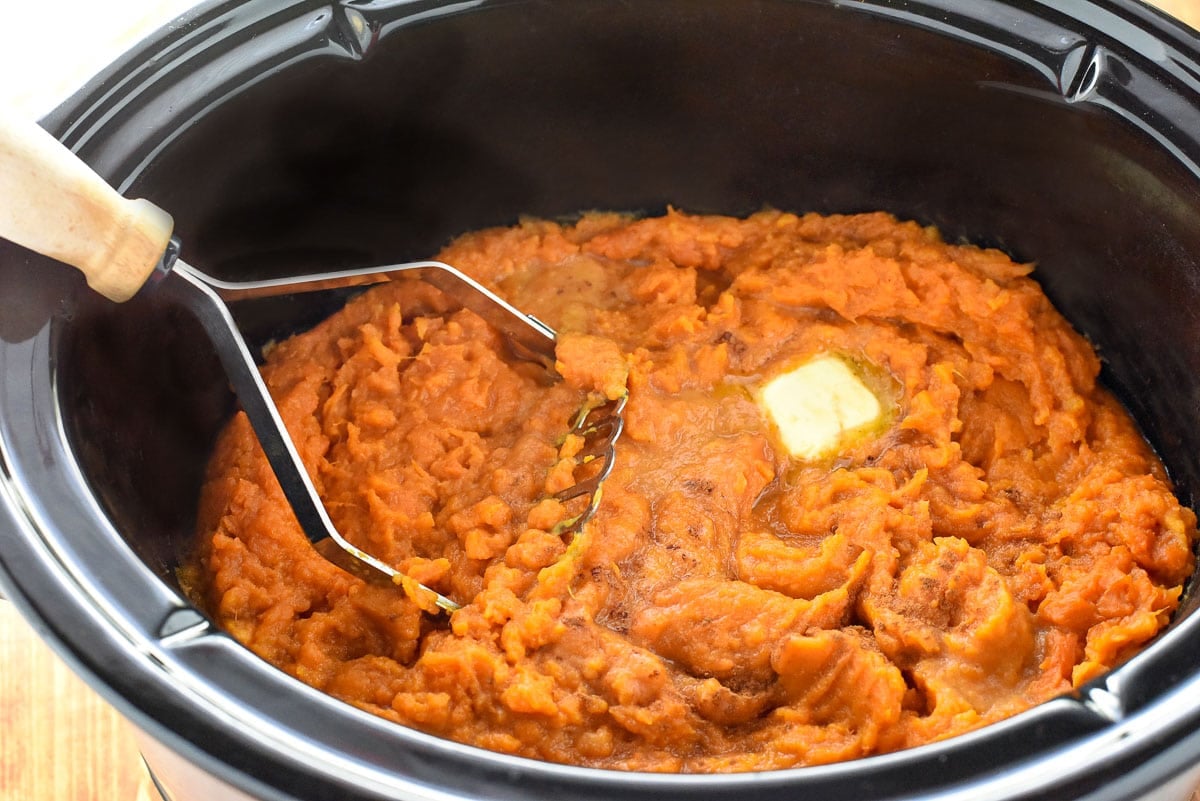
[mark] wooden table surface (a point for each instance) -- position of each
(59, 741)
(1186, 10)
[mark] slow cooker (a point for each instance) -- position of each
(293, 136)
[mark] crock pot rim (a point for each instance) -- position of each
(96, 668)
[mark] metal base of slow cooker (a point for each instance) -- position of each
(176, 779)
(161, 793)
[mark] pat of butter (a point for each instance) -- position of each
(815, 405)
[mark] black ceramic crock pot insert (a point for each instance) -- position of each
(288, 137)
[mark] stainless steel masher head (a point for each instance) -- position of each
(53, 203)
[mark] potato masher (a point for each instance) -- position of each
(53, 203)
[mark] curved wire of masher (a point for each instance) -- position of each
(598, 423)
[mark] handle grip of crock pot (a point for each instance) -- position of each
(53, 203)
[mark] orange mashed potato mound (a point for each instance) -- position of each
(1006, 536)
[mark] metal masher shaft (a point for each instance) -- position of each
(530, 339)
(191, 289)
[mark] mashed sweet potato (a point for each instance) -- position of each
(1005, 537)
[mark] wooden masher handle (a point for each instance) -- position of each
(53, 203)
